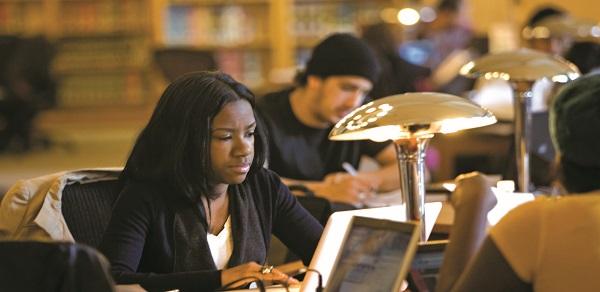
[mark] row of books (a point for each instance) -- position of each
(17, 18)
(245, 66)
(102, 17)
(102, 54)
(102, 90)
(315, 20)
(228, 25)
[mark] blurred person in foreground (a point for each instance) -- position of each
(550, 244)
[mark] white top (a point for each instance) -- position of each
(221, 245)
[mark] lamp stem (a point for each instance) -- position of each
(522, 115)
(411, 160)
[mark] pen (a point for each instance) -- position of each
(349, 168)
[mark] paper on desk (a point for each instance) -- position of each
(395, 198)
(506, 201)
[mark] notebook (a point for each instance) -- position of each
(375, 256)
(337, 226)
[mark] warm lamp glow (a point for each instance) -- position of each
(520, 65)
(408, 16)
(563, 26)
(411, 115)
(521, 68)
(410, 120)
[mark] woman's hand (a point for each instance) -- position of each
(473, 189)
(252, 272)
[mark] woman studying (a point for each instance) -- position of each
(197, 208)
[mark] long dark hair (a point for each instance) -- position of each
(174, 148)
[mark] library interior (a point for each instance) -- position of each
(88, 88)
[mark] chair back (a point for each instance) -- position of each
(174, 62)
(52, 266)
(87, 208)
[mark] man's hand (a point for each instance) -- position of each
(346, 188)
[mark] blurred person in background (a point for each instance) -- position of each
(586, 56)
(26, 87)
(450, 31)
(452, 45)
(397, 75)
(540, 38)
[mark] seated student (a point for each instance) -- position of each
(397, 75)
(586, 56)
(337, 79)
(550, 244)
(197, 208)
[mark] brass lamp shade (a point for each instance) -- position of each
(563, 26)
(411, 115)
(410, 120)
(522, 68)
(521, 65)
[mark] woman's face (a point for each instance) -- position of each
(232, 142)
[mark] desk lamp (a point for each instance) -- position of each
(563, 26)
(410, 120)
(521, 68)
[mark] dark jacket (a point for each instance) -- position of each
(157, 239)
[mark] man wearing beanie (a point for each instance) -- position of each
(337, 79)
(551, 243)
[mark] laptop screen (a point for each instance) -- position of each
(426, 265)
(375, 255)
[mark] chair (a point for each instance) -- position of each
(87, 208)
(52, 266)
(64, 206)
(174, 62)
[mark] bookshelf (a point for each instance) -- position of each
(314, 20)
(103, 53)
(23, 17)
(247, 37)
(102, 47)
(254, 39)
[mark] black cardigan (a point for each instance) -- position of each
(156, 238)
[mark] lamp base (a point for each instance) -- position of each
(410, 153)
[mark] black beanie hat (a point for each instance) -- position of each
(343, 54)
(575, 122)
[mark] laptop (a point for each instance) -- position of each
(426, 265)
(338, 225)
(376, 255)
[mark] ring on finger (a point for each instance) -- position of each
(266, 269)
(362, 196)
